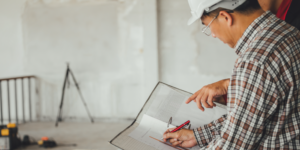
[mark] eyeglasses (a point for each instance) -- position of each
(206, 30)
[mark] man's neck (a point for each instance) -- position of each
(275, 6)
(243, 22)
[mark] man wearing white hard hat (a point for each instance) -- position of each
(263, 91)
(287, 10)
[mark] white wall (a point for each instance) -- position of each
(11, 37)
(188, 58)
(117, 50)
(12, 55)
(102, 41)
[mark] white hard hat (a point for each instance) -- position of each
(199, 6)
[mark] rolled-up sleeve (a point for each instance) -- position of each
(207, 133)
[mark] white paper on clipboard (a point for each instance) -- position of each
(164, 102)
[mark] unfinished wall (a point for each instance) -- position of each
(188, 58)
(108, 44)
(12, 61)
(11, 40)
(102, 41)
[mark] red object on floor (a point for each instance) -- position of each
(45, 138)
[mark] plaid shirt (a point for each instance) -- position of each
(264, 94)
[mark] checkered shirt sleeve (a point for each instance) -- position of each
(208, 133)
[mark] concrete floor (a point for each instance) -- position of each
(86, 136)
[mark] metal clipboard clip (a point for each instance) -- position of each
(170, 122)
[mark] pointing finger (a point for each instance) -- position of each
(191, 98)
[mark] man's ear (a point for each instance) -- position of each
(227, 17)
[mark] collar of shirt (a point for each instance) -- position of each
(250, 33)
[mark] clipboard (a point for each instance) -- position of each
(124, 142)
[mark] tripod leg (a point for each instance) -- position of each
(92, 120)
(62, 98)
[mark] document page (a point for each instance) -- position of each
(164, 102)
(151, 127)
(171, 103)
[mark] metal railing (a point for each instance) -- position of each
(9, 99)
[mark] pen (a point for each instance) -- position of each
(181, 126)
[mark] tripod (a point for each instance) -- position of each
(59, 118)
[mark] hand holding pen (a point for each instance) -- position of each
(180, 137)
(183, 138)
(179, 127)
